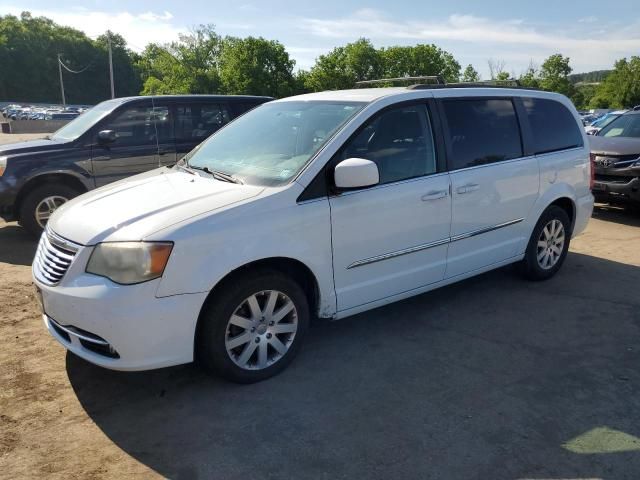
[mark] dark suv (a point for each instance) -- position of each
(615, 152)
(115, 139)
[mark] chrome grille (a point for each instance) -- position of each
(53, 258)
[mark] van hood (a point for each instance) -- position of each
(615, 146)
(134, 208)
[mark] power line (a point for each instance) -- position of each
(72, 71)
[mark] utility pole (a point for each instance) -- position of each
(113, 95)
(64, 102)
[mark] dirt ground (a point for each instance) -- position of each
(491, 378)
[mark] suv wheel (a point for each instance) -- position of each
(254, 327)
(548, 244)
(40, 204)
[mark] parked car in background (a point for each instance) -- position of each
(603, 121)
(615, 151)
(588, 119)
(327, 204)
(61, 115)
(114, 140)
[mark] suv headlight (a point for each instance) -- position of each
(129, 262)
(3, 165)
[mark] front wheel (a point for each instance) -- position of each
(254, 326)
(40, 204)
(548, 245)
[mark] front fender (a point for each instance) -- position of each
(272, 225)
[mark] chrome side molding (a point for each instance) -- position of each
(425, 246)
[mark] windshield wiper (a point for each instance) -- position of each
(218, 175)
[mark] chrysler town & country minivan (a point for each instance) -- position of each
(321, 205)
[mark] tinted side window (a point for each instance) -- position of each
(133, 125)
(399, 141)
(481, 131)
(553, 125)
(164, 123)
(240, 108)
(197, 122)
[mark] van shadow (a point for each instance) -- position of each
(17, 247)
(487, 378)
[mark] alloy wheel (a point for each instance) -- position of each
(261, 330)
(46, 207)
(550, 244)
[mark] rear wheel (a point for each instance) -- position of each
(254, 326)
(41, 202)
(548, 245)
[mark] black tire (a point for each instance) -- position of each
(530, 266)
(210, 343)
(32, 200)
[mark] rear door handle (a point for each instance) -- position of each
(468, 188)
(435, 195)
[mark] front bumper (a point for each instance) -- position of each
(621, 190)
(617, 182)
(117, 326)
(8, 194)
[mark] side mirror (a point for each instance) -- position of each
(356, 173)
(107, 136)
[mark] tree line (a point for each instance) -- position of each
(202, 61)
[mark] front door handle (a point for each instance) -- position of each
(468, 188)
(435, 195)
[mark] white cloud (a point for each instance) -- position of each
(473, 36)
(589, 19)
(137, 29)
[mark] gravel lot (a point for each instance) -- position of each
(491, 378)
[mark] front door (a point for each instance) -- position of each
(391, 238)
(135, 149)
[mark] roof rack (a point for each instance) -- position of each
(512, 83)
(438, 79)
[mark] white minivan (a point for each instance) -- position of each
(321, 205)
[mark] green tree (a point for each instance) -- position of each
(470, 74)
(502, 76)
(188, 65)
(344, 66)
(126, 74)
(419, 60)
(29, 48)
(554, 75)
(621, 88)
(530, 77)
(256, 66)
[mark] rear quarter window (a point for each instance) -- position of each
(552, 125)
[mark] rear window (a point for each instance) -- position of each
(481, 131)
(553, 126)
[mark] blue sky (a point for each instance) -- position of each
(588, 31)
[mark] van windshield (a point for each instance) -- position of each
(272, 143)
(88, 119)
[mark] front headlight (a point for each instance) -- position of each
(3, 165)
(129, 262)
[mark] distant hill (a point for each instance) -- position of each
(589, 77)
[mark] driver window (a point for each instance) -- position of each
(399, 141)
(133, 126)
